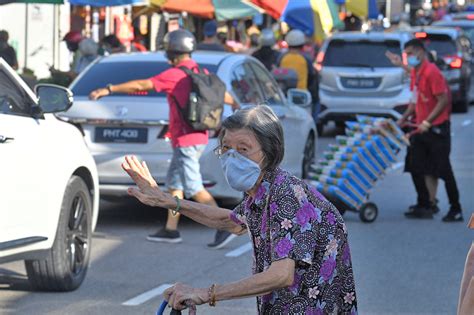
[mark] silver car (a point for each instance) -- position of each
(122, 124)
(357, 78)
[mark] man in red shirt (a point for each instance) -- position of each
(431, 144)
(184, 177)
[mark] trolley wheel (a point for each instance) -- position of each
(368, 212)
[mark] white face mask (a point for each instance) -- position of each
(240, 172)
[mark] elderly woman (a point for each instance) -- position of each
(302, 262)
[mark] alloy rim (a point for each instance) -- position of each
(77, 235)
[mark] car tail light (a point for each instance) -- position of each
(421, 35)
(454, 62)
(319, 60)
(138, 93)
(470, 17)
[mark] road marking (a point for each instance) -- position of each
(466, 123)
(148, 295)
(240, 250)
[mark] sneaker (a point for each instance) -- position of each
(453, 216)
(166, 236)
(420, 213)
(221, 239)
(434, 207)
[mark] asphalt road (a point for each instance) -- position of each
(401, 266)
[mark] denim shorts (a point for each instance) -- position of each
(184, 172)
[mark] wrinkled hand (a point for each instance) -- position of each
(148, 191)
(395, 59)
(181, 296)
(96, 94)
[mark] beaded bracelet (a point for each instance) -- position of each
(212, 295)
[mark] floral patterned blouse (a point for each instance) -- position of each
(307, 228)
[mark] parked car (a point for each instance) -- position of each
(123, 124)
(357, 78)
(468, 27)
(453, 53)
(49, 185)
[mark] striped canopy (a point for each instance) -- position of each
(219, 9)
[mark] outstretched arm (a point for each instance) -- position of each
(150, 194)
(127, 87)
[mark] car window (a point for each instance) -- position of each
(12, 98)
(444, 45)
(245, 85)
(271, 91)
(101, 74)
(363, 53)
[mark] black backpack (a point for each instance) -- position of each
(206, 100)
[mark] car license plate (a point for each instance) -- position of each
(358, 83)
(121, 135)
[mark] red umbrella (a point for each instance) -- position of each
(272, 7)
(209, 9)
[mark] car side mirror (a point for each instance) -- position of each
(53, 98)
(299, 97)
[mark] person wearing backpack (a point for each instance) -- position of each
(196, 100)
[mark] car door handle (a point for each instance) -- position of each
(4, 139)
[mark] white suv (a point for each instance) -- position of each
(48, 185)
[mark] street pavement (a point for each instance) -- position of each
(401, 266)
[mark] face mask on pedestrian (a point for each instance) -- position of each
(413, 60)
(240, 172)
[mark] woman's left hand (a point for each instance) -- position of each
(181, 296)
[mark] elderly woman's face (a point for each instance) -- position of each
(244, 142)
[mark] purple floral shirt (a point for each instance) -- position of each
(307, 228)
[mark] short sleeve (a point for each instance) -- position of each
(165, 81)
(294, 219)
(437, 83)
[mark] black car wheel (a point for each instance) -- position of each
(65, 266)
(308, 157)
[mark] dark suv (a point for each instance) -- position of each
(453, 56)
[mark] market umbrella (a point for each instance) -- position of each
(314, 17)
(361, 8)
(219, 9)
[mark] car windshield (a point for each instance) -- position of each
(104, 73)
(364, 53)
(444, 45)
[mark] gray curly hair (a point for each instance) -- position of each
(262, 121)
